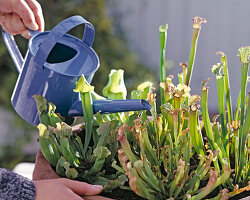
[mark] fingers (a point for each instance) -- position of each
(13, 24)
(5, 6)
(54, 189)
(21, 8)
(37, 11)
(82, 188)
(18, 15)
(26, 34)
(3, 24)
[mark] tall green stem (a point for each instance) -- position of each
(192, 56)
(237, 109)
(197, 21)
(163, 40)
(85, 90)
(242, 139)
(207, 124)
(244, 54)
(87, 104)
(222, 112)
(216, 69)
(227, 86)
(246, 131)
(196, 136)
(205, 115)
(243, 91)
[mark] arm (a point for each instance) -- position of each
(14, 186)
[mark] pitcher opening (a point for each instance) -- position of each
(61, 53)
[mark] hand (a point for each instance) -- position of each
(64, 189)
(43, 170)
(96, 198)
(18, 15)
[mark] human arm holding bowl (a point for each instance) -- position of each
(18, 15)
(44, 171)
(14, 186)
(49, 187)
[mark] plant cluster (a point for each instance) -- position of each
(177, 153)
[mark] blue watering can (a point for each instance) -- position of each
(53, 63)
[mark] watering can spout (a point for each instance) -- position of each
(111, 106)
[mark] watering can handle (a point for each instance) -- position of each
(58, 32)
(13, 50)
(50, 42)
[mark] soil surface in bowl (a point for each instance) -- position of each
(120, 194)
(241, 196)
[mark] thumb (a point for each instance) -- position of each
(82, 188)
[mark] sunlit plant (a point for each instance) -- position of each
(174, 152)
(166, 155)
(230, 136)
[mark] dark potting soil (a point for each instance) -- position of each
(120, 194)
(241, 196)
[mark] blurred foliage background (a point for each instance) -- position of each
(110, 44)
